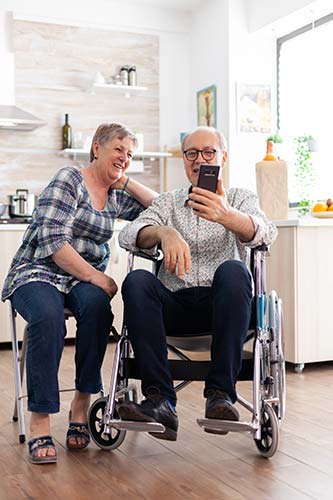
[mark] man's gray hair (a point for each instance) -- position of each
(108, 131)
(222, 140)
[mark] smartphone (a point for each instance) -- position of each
(208, 177)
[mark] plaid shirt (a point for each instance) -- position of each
(64, 213)
(210, 243)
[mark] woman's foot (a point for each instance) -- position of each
(40, 428)
(78, 435)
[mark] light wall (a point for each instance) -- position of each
(171, 26)
(232, 42)
(222, 41)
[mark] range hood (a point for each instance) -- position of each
(11, 117)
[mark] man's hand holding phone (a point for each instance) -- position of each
(207, 202)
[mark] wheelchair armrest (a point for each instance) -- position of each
(261, 248)
(158, 256)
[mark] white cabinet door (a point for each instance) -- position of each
(10, 241)
(300, 270)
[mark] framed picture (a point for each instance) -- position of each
(254, 108)
(206, 106)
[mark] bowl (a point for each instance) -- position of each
(3, 208)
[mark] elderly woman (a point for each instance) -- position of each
(61, 263)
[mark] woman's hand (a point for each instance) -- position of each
(120, 183)
(105, 282)
(208, 205)
(177, 255)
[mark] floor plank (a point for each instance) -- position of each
(197, 466)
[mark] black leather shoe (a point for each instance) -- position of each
(219, 406)
(154, 408)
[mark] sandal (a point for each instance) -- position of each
(40, 443)
(77, 430)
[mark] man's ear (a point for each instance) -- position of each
(224, 158)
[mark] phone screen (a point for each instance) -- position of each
(208, 177)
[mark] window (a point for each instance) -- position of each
(305, 99)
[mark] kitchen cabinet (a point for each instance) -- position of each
(300, 270)
(10, 239)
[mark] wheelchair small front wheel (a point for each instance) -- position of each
(96, 427)
(270, 432)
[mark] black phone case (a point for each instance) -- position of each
(208, 177)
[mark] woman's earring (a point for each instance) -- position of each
(95, 157)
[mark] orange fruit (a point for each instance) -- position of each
(330, 208)
(319, 207)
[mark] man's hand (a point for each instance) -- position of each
(215, 208)
(105, 282)
(208, 205)
(177, 255)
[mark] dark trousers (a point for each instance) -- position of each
(152, 312)
(42, 306)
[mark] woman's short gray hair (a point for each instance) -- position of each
(222, 140)
(108, 131)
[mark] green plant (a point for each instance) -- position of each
(276, 138)
(304, 173)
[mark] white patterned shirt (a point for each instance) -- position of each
(210, 243)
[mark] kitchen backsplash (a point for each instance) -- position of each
(55, 68)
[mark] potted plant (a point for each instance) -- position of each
(276, 139)
(304, 173)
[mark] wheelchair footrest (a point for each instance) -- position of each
(225, 425)
(131, 425)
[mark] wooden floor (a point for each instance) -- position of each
(197, 466)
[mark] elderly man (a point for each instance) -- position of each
(203, 284)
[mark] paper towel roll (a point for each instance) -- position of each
(272, 188)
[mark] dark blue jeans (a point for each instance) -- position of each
(42, 306)
(152, 312)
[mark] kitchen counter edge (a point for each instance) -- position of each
(118, 225)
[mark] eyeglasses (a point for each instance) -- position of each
(207, 154)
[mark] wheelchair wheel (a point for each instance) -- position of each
(277, 361)
(270, 432)
(95, 424)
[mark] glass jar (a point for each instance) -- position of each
(132, 75)
(124, 75)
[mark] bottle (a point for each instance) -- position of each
(132, 75)
(269, 152)
(124, 75)
(66, 134)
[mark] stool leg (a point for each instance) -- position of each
(21, 359)
(18, 369)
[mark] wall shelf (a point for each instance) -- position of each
(137, 165)
(83, 153)
(127, 89)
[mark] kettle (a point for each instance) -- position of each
(22, 203)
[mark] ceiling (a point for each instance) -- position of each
(181, 5)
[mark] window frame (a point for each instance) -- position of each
(279, 42)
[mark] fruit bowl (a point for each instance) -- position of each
(323, 210)
(325, 214)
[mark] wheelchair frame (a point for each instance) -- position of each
(266, 369)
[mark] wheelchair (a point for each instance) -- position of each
(264, 365)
